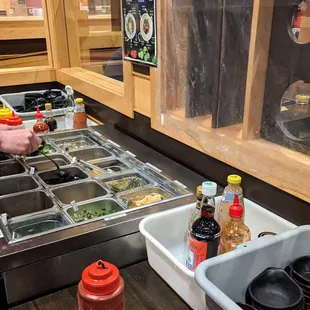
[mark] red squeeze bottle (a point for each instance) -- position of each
(101, 288)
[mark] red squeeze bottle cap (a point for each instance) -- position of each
(236, 210)
(14, 120)
(101, 278)
(39, 114)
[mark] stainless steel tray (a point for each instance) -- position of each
(99, 209)
(107, 168)
(137, 199)
(79, 191)
(26, 203)
(17, 184)
(92, 155)
(36, 153)
(10, 168)
(76, 143)
(70, 134)
(34, 226)
(48, 178)
(133, 181)
(41, 163)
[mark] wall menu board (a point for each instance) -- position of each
(139, 29)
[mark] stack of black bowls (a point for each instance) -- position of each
(299, 271)
(274, 289)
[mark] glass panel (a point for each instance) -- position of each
(22, 34)
(205, 63)
(100, 37)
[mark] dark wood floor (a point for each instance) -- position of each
(144, 290)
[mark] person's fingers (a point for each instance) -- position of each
(38, 139)
(34, 144)
(27, 142)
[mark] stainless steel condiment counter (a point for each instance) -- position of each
(40, 261)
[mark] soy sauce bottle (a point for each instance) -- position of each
(204, 238)
(49, 118)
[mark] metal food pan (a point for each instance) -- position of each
(11, 168)
(25, 203)
(34, 226)
(75, 143)
(79, 192)
(92, 154)
(47, 177)
(17, 184)
(37, 153)
(129, 178)
(41, 163)
(108, 167)
(132, 199)
(5, 157)
(177, 189)
(87, 210)
(69, 134)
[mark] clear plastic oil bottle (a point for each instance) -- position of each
(233, 188)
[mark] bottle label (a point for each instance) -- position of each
(79, 108)
(196, 253)
(230, 196)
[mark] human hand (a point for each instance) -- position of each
(4, 127)
(20, 142)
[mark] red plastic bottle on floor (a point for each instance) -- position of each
(101, 288)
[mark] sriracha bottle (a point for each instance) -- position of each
(101, 288)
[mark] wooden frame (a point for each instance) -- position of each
(17, 28)
(239, 145)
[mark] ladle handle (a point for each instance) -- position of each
(53, 161)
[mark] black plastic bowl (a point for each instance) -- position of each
(301, 269)
(274, 289)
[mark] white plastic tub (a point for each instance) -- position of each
(15, 99)
(165, 235)
(226, 278)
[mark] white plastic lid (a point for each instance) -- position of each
(209, 188)
(69, 90)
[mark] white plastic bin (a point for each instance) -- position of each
(165, 235)
(226, 278)
(16, 99)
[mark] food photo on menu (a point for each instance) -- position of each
(140, 31)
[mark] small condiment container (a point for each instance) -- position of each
(80, 116)
(302, 99)
(5, 113)
(101, 288)
(15, 122)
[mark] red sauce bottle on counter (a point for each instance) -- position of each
(40, 127)
(101, 288)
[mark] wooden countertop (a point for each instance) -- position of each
(144, 290)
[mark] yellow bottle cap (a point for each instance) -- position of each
(79, 100)
(199, 191)
(48, 106)
(5, 112)
(234, 179)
